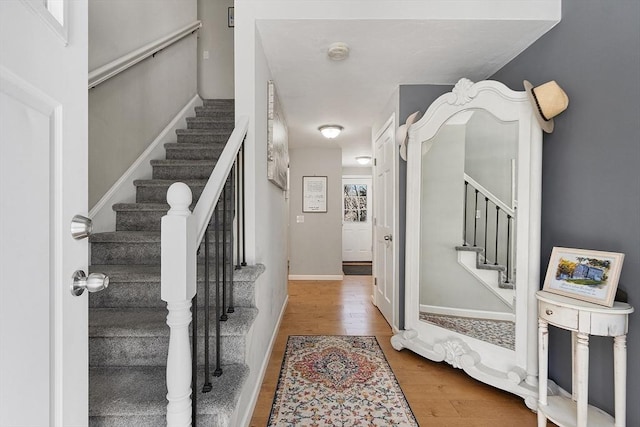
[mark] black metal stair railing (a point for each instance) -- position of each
(222, 263)
(494, 232)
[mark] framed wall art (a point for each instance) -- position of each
(586, 275)
(277, 140)
(314, 194)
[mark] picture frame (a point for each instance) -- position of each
(277, 140)
(314, 194)
(586, 275)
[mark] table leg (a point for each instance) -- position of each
(582, 381)
(543, 369)
(620, 379)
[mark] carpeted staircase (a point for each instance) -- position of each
(128, 335)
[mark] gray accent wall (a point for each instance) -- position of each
(128, 111)
(316, 243)
(591, 179)
(215, 73)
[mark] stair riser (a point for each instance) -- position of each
(208, 123)
(226, 114)
(158, 193)
(198, 138)
(182, 172)
(218, 103)
(201, 153)
(147, 295)
(129, 420)
(152, 351)
(151, 220)
(144, 253)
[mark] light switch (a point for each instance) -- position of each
(300, 219)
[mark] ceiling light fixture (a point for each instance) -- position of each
(363, 160)
(330, 131)
(338, 51)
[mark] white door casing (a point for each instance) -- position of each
(384, 265)
(356, 233)
(43, 184)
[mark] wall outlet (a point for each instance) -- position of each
(478, 214)
(205, 54)
(300, 219)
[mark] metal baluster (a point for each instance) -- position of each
(497, 229)
(218, 370)
(475, 220)
(244, 252)
(231, 308)
(486, 222)
(207, 377)
(237, 213)
(464, 222)
(508, 246)
(194, 359)
(224, 316)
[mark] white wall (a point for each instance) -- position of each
(128, 111)
(266, 212)
(215, 75)
(366, 170)
(316, 243)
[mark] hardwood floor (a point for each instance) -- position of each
(438, 394)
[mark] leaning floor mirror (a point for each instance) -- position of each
(473, 236)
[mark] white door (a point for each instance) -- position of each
(384, 206)
(43, 184)
(356, 219)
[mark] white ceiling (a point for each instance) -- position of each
(315, 90)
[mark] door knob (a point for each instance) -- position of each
(388, 238)
(81, 227)
(94, 283)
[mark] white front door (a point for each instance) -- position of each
(356, 219)
(384, 206)
(43, 184)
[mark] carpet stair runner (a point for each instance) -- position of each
(128, 335)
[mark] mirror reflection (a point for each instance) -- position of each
(468, 202)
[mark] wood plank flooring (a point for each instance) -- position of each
(438, 394)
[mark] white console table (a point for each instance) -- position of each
(582, 319)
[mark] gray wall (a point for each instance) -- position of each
(215, 74)
(316, 244)
(128, 111)
(412, 98)
(594, 54)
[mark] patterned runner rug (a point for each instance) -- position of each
(338, 381)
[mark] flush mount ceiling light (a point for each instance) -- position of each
(330, 131)
(338, 51)
(363, 160)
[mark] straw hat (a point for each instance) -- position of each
(402, 132)
(548, 101)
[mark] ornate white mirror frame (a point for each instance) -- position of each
(512, 369)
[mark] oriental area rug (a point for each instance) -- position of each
(338, 381)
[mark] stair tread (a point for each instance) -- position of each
(140, 207)
(167, 182)
(126, 237)
(151, 322)
(203, 131)
(195, 145)
(141, 273)
(141, 390)
(182, 162)
(226, 120)
(470, 249)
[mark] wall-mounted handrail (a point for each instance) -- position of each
(130, 59)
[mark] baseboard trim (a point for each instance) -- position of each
(462, 312)
(123, 190)
(316, 277)
(246, 419)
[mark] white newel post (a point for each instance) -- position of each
(178, 286)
